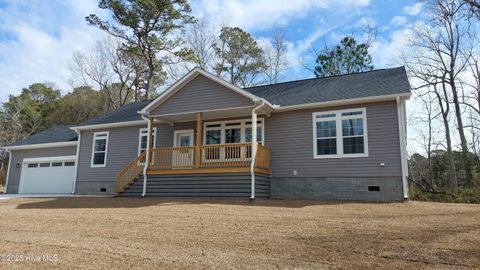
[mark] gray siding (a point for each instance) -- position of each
(122, 149)
(202, 185)
(290, 138)
(19, 155)
(201, 94)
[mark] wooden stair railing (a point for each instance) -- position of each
(128, 175)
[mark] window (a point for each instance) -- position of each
(340, 134)
(230, 132)
(33, 165)
(57, 164)
(45, 165)
(99, 149)
(143, 137)
(69, 164)
(234, 131)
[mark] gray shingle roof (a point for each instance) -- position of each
(359, 85)
(59, 133)
(367, 84)
(123, 114)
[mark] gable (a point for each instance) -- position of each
(201, 94)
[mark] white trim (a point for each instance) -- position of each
(8, 169)
(93, 149)
(403, 144)
(140, 130)
(76, 162)
(340, 102)
(243, 126)
(339, 134)
(51, 159)
(111, 125)
(254, 148)
(204, 111)
(40, 145)
(190, 131)
(186, 79)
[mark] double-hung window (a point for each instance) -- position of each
(99, 149)
(143, 138)
(340, 134)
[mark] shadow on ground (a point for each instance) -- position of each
(65, 203)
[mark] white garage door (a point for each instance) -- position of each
(49, 175)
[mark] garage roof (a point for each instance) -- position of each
(59, 133)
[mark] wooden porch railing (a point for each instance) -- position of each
(211, 156)
(236, 155)
(126, 176)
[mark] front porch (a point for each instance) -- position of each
(204, 149)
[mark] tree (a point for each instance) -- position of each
(81, 104)
(474, 7)
(345, 58)
(148, 29)
(116, 72)
(276, 63)
(201, 39)
(240, 59)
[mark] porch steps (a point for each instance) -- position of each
(200, 185)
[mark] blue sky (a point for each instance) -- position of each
(38, 38)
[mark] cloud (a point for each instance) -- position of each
(399, 20)
(386, 51)
(36, 49)
(414, 9)
(264, 14)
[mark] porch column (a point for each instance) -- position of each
(150, 140)
(198, 141)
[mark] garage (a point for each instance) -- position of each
(47, 175)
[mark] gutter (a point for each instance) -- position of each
(8, 169)
(254, 148)
(76, 161)
(147, 161)
(403, 144)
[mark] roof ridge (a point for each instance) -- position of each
(319, 78)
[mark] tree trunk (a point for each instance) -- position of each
(463, 140)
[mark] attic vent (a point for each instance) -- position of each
(373, 188)
(103, 189)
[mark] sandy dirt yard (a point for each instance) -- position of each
(105, 233)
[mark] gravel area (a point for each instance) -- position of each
(151, 233)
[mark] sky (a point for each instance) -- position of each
(38, 38)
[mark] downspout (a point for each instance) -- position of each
(403, 155)
(76, 161)
(254, 148)
(8, 169)
(147, 157)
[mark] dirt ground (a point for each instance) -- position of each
(105, 233)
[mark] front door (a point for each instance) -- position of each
(183, 149)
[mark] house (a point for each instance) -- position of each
(339, 138)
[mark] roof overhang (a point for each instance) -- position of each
(110, 125)
(342, 102)
(41, 145)
(186, 79)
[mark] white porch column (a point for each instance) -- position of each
(147, 155)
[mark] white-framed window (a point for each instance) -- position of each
(232, 131)
(341, 133)
(99, 149)
(143, 137)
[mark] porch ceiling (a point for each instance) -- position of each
(210, 115)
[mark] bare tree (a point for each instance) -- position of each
(275, 58)
(200, 39)
(443, 41)
(116, 72)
